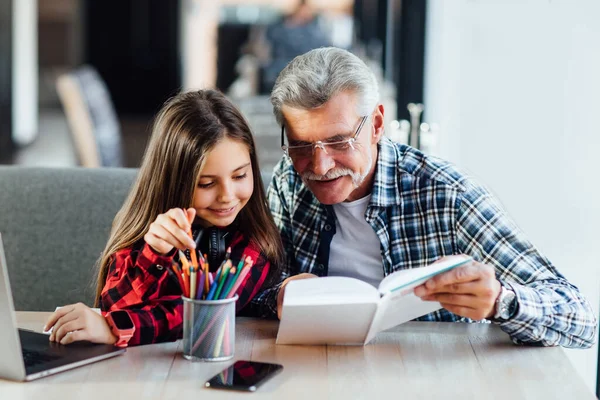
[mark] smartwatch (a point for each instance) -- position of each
(121, 325)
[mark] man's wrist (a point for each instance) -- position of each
(506, 304)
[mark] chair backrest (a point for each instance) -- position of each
(55, 223)
(91, 117)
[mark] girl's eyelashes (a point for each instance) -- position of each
(209, 184)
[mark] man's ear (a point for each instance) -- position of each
(378, 123)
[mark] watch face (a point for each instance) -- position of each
(122, 320)
(507, 304)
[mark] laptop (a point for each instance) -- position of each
(28, 355)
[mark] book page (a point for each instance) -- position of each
(329, 290)
(407, 280)
(397, 308)
(330, 310)
(399, 303)
(346, 324)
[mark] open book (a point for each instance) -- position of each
(340, 310)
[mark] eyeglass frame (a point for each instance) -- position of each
(320, 144)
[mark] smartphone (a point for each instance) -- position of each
(244, 375)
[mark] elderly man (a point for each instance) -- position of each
(350, 202)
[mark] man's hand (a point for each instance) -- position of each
(470, 290)
(282, 289)
(77, 322)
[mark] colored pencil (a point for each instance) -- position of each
(177, 272)
(206, 276)
(237, 274)
(192, 251)
(238, 282)
(228, 282)
(184, 262)
(186, 285)
(226, 344)
(222, 279)
(199, 285)
(193, 282)
(219, 342)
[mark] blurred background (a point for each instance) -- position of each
(508, 90)
(87, 73)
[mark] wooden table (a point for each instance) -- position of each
(417, 360)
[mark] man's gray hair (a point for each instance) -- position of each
(312, 79)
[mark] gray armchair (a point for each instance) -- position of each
(55, 223)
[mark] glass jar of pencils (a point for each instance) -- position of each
(209, 329)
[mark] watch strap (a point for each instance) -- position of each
(123, 336)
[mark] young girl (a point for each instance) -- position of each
(200, 166)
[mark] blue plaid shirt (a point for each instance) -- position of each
(423, 208)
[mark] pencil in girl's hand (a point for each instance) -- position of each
(184, 262)
(192, 251)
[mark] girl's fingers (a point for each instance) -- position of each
(62, 321)
(163, 235)
(177, 231)
(180, 217)
(70, 326)
(191, 214)
(75, 336)
(57, 315)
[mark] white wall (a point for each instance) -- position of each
(25, 72)
(515, 87)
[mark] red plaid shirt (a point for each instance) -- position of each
(143, 283)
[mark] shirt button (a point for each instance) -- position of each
(327, 227)
(159, 267)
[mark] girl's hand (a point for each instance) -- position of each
(170, 230)
(77, 322)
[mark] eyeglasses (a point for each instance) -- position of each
(331, 148)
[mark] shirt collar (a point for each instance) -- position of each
(386, 191)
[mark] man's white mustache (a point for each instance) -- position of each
(336, 173)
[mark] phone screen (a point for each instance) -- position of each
(244, 375)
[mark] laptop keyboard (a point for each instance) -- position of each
(32, 357)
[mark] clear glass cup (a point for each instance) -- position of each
(208, 329)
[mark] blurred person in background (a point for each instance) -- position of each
(297, 33)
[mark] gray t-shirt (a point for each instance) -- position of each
(355, 248)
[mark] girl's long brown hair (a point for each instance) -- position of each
(188, 126)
